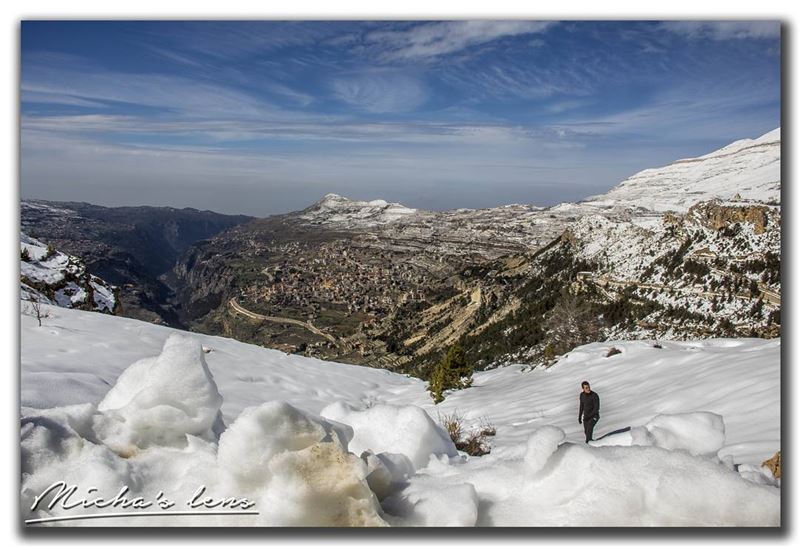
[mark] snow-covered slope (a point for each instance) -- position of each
(53, 277)
(746, 170)
(290, 452)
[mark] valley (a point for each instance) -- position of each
(688, 250)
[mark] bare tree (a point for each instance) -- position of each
(572, 323)
(34, 309)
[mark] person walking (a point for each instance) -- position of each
(589, 410)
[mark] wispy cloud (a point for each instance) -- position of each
(45, 97)
(724, 30)
(691, 112)
(219, 132)
(151, 90)
(380, 91)
(429, 40)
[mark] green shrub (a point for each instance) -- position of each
(452, 372)
(51, 252)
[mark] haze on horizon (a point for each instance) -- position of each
(267, 117)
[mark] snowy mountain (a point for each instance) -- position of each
(334, 209)
(140, 407)
(52, 277)
(746, 170)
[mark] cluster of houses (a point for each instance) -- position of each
(341, 276)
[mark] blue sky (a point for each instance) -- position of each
(266, 117)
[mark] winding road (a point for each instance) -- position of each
(305, 324)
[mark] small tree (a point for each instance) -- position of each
(35, 310)
(51, 252)
(25, 255)
(436, 384)
(549, 352)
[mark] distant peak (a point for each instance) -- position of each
(336, 209)
(332, 200)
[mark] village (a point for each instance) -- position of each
(336, 275)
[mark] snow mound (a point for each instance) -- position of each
(420, 505)
(262, 432)
(157, 432)
(297, 468)
(699, 433)
(406, 430)
(541, 445)
(321, 485)
(583, 485)
(161, 400)
(641, 486)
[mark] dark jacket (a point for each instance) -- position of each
(590, 406)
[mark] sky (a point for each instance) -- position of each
(265, 117)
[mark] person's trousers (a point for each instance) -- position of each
(588, 427)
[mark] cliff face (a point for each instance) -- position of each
(718, 215)
(205, 279)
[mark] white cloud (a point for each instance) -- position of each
(434, 39)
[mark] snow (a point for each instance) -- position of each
(750, 168)
(60, 274)
(70, 295)
(316, 443)
(699, 433)
(104, 298)
(262, 432)
(406, 430)
(159, 401)
(541, 445)
(336, 210)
